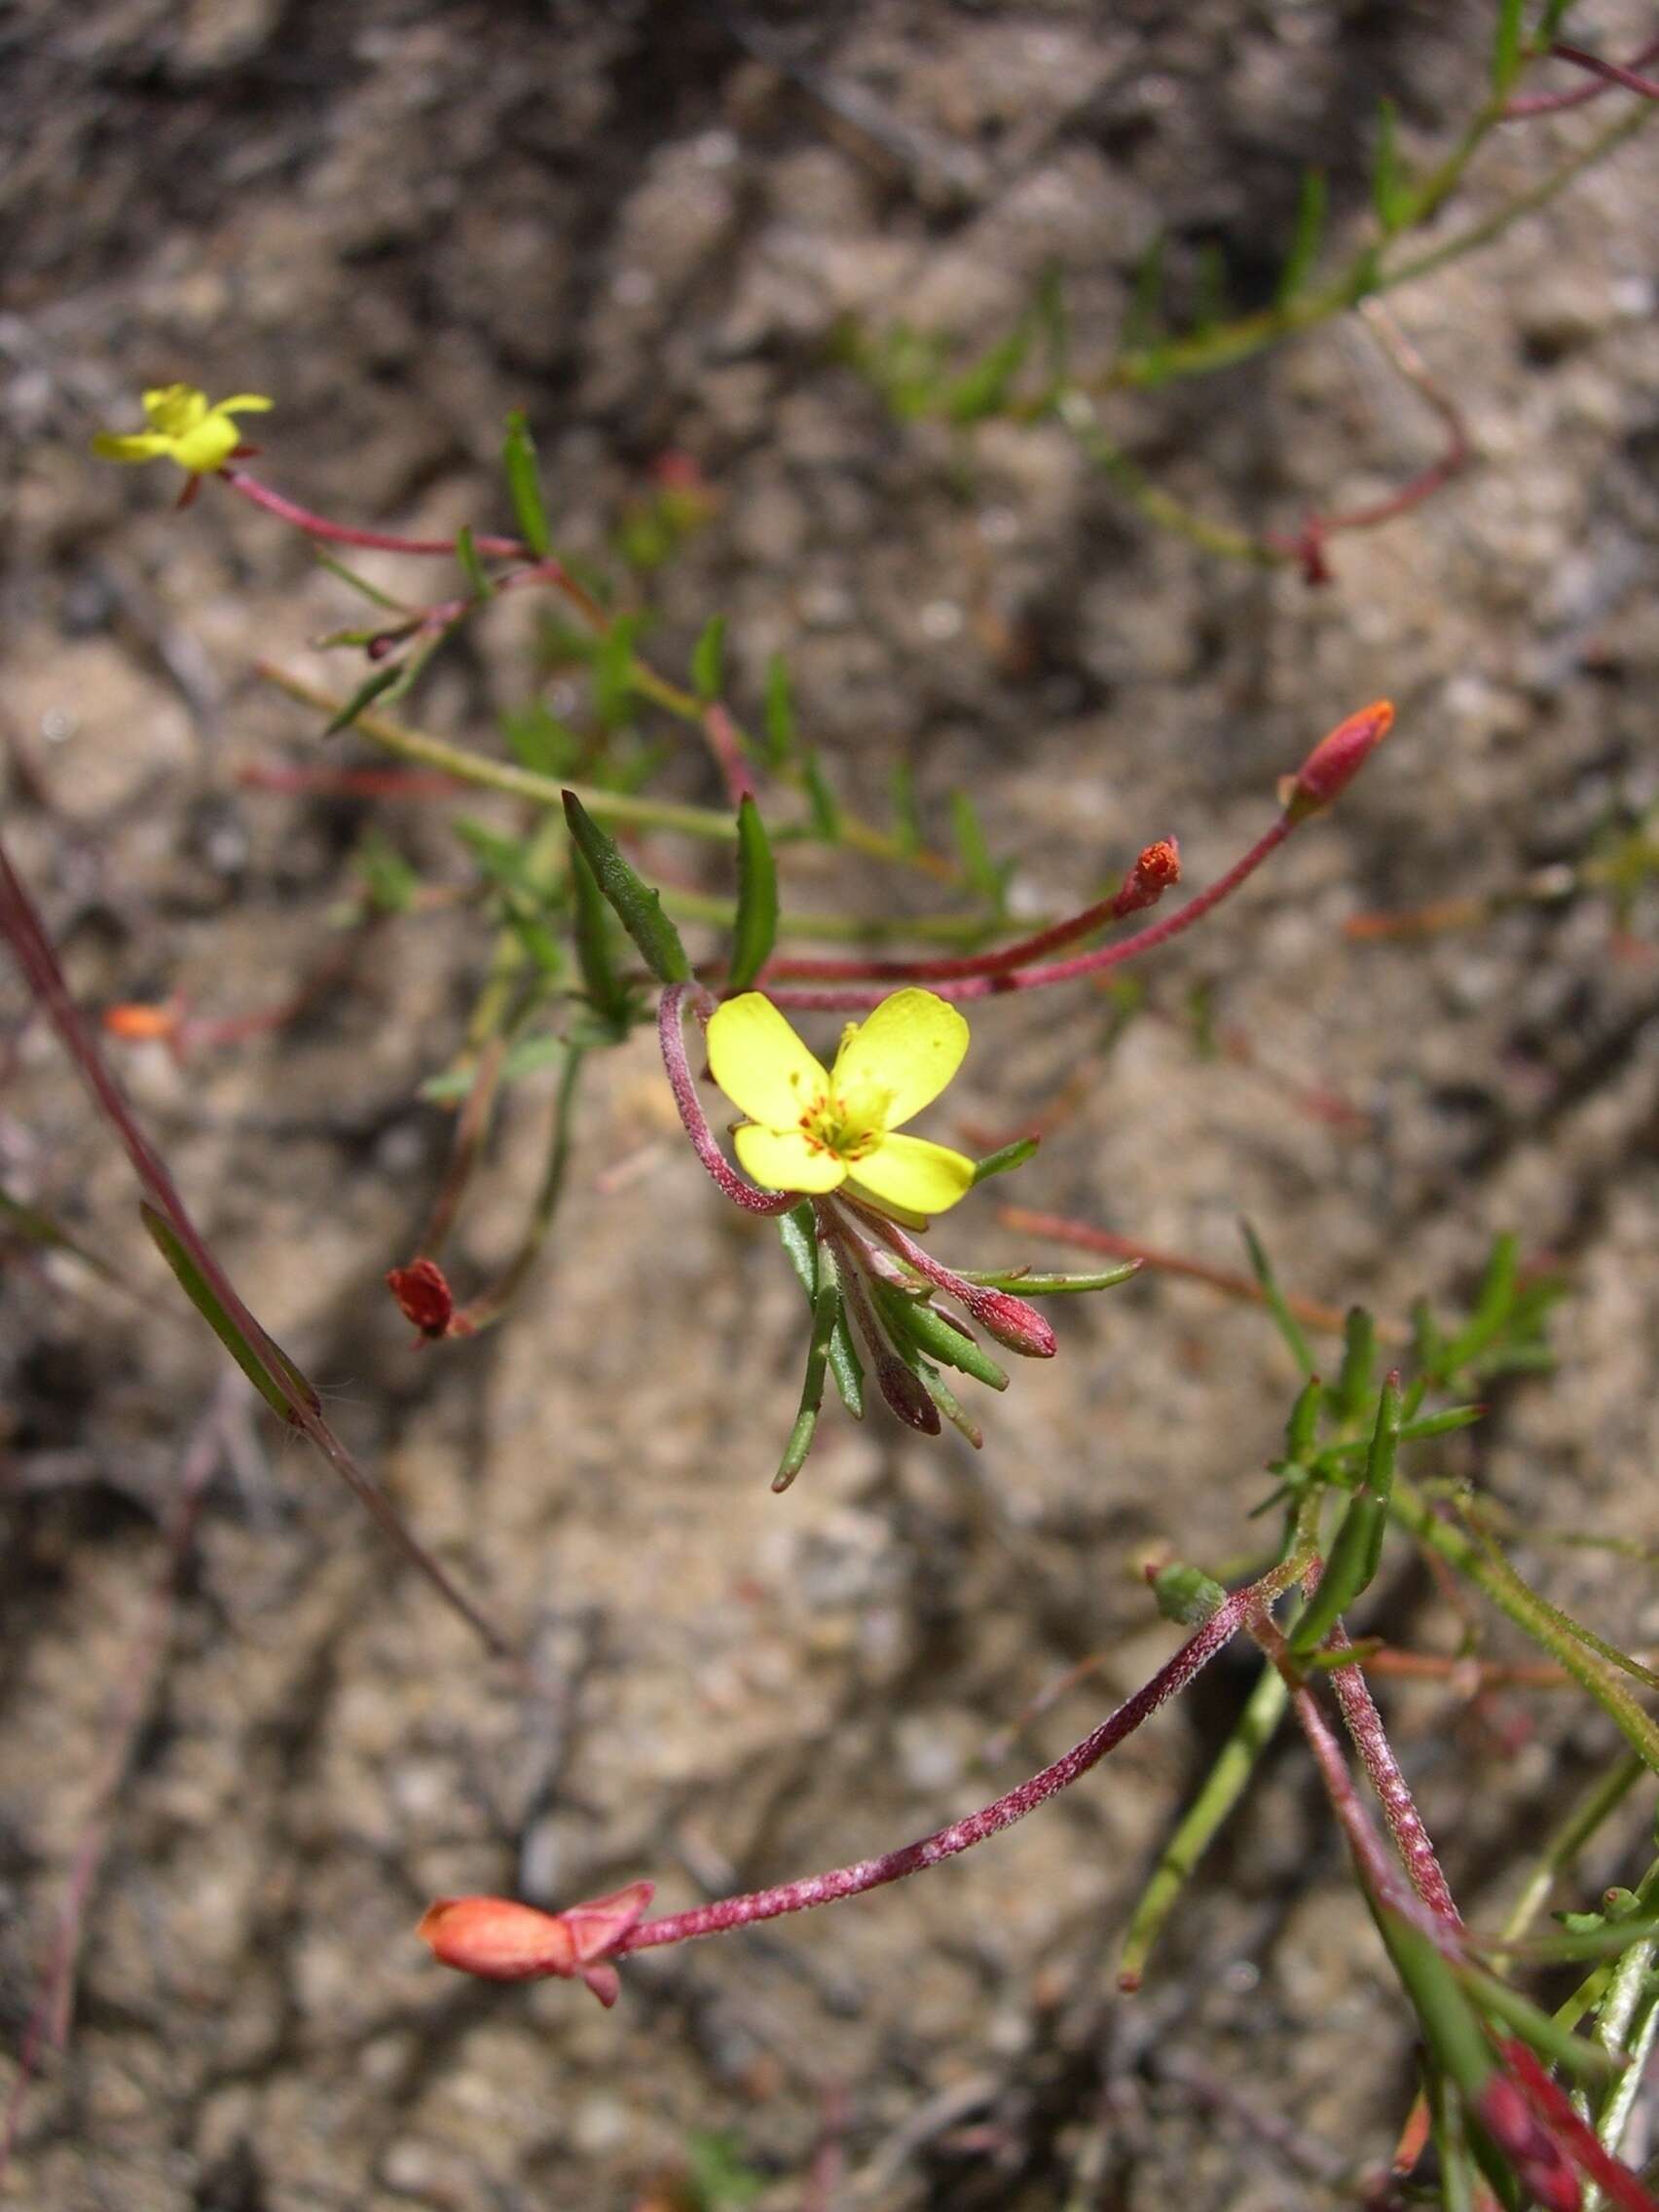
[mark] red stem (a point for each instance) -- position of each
(1133, 897)
(1411, 1837)
(1553, 103)
(961, 1836)
(671, 1035)
(855, 1000)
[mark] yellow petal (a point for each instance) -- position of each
(910, 1172)
(897, 1061)
(782, 1160)
(762, 1066)
(208, 446)
(174, 408)
(244, 403)
(142, 444)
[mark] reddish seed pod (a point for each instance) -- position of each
(423, 1297)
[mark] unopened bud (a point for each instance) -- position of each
(1186, 1594)
(425, 1298)
(1014, 1325)
(140, 1023)
(500, 1940)
(906, 1394)
(1152, 875)
(1335, 760)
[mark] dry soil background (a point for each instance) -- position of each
(401, 220)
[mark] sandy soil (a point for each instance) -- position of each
(401, 220)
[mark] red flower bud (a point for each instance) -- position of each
(1335, 760)
(423, 1297)
(499, 1940)
(1015, 1324)
(1152, 875)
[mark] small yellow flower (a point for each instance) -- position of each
(185, 429)
(809, 1130)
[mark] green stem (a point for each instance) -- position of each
(1202, 1820)
(1530, 1614)
(1570, 1839)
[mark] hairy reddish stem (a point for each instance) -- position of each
(1411, 1837)
(671, 1034)
(1607, 74)
(856, 1000)
(961, 1836)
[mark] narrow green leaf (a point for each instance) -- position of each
(1055, 1286)
(1493, 1305)
(357, 583)
(950, 1407)
(471, 568)
(1007, 1155)
(371, 688)
(282, 1392)
(914, 1323)
(756, 927)
(907, 822)
(980, 869)
(539, 741)
(1289, 1328)
(1356, 1550)
(1307, 238)
(607, 993)
(779, 713)
(614, 671)
(799, 1234)
(708, 660)
(826, 1313)
(1304, 1423)
(982, 388)
(1551, 21)
(1506, 54)
(821, 800)
(1390, 192)
(524, 489)
(1353, 1386)
(637, 908)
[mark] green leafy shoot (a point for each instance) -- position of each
(708, 660)
(524, 486)
(1006, 1156)
(906, 822)
(826, 811)
(1391, 188)
(797, 1232)
(637, 908)
(986, 875)
(607, 993)
(1508, 45)
(386, 684)
(1289, 1327)
(755, 931)
(779, 713)
(349, 576)
(541, 741)
(1308, 237)
(982, 388)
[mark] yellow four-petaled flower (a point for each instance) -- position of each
(185, 429)
(811, 1129)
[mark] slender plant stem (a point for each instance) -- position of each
(961, 1836)
(1570, 1839)
(1400, 1808)
(849, 999)
(671, 1034)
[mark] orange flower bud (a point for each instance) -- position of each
(1335, 760)
(500, 1940)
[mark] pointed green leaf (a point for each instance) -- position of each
(1289, 1328)
(375, 687)
(826, 811)
(266, 1366)
(1308, 237)
(471, 568)
(1005, 1156)
(757, 926)
(357, 583)
(708, 660)
(1506, 54)
(980, 869)
(1390, 190)
(524, 489)
(797, 1232)
(779, 713)
(606, 990)
(639, 909)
